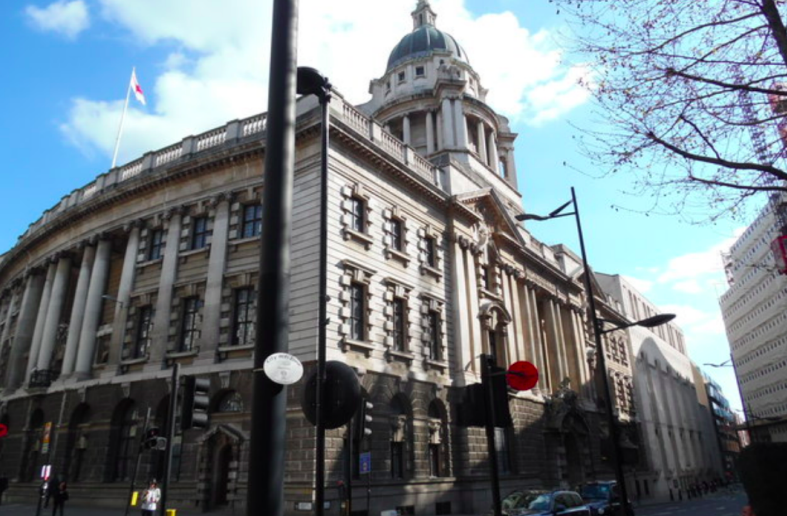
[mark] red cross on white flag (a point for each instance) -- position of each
(137, 88)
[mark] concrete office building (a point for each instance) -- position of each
(755, 315)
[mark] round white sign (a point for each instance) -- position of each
(283, 368)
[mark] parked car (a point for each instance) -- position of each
(544, 503)
(603, 498)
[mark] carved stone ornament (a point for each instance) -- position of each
(398, 427)
(435, 431)
(482, 234)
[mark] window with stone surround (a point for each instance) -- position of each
(355, 306)
(189, 327)
(252, 220)
(243, 317)
(420, 71)
(355, 220)
(430, 252)
(199, 232)
(397, 319)
(396, 235)
(144, 327)
(156, 244)
(432, 330)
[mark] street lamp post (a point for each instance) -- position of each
(598, 331)
(311, 82)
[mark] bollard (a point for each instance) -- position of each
(172, 512)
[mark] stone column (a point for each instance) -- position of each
(127, 276)
(440, 143)
(448, 125)
(552, 322)
(429, 133)
(492, 146)
(515, 328)
(38, 332)
(481, 143)
(57, 300)
(460, 124)
(169, 272)
(406, 129)
(31, 299)
(461, 350)
(217, 264)
(579, 340)
(78, 311)
(511, 169)
(472, 298)
(87, 337)
(535, 327)
(7, 326)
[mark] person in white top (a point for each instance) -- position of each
(150, 499)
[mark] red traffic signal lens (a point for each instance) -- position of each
(3, 430)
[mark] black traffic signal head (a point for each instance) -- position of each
(151, 436)
(196, 400)
(363, 420)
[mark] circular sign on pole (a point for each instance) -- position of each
(283, 368)
(522, 376)
(3, 430)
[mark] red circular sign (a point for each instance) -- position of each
(3, 430)
(522, 376)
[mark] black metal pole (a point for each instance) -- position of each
(486, 381)
(319, 477)
(269, 400)
(351, 463)
(173, 407)
(136, 466)
(613, 427)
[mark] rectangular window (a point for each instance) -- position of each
(485, 277)
(397, 460)
(433, 329)
(144, 324)
(399, 324)
(252, 220)
(431, 252)
(243, 317)
(156, 244)
(434, 460)
(199, 232)
(401, 76)
(397, 238)
(419, 71)
(357, 215)
(357, 312)
(188, 328)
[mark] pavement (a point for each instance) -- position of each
(715, 504)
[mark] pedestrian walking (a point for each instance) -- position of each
(150, 499)
(59, 498)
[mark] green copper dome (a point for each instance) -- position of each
(423, 41)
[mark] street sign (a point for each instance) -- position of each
(47, 437)
(365, 465)
(3, 430)
(283, 368)
(522, 376)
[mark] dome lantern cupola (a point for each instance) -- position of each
(423, 15)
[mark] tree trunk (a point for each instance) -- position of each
(775, 23)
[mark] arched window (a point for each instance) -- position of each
(123, 437)
(35, 432)
(437, 451)
(76, 443)
(231, 401)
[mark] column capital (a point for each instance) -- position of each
(172, 211)
(136, 223)
(215, 200)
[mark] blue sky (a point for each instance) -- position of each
(66, 67)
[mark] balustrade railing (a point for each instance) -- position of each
(211, 138)
(131, 169)
(255, 124)
(168, 154)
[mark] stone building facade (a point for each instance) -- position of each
(156, 263)
(679, 444)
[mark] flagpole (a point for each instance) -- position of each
(122, 119)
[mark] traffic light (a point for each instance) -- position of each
(151, 437)
(195, 403)
(363, 421)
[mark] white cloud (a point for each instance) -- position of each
(639, 284)
(219, 71)
(690, 286)
(66, 18)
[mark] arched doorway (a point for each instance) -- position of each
(220, 458)
(575, 473)
(35, 431)
(76, 443)
(222, 465)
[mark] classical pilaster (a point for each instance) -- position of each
(87, 337)
(429, 132)
(217, 264)
(492, 146)
(538, 345)
(53, 313)
(476, 347)
(78, 311)
(440, 143)
(579, 342)
(127, 276)
(460, 124)
(38, 332)
(406, 129)
(448, 124)
(462, 353)
(481, 143)
(169, 272)
(515, 333)
(511, 169)
(562, 348)
(553, 345)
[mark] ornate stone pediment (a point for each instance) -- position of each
(494, 221)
